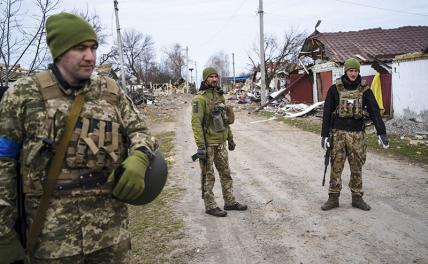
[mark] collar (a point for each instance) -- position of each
(64, 83)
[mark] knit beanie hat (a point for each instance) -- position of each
(352, 63)
(65, 30)
(207, 72)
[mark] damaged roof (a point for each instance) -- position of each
(368, 45)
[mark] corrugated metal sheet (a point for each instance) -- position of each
(302, 91)
(326, 82)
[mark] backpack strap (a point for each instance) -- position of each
(339, 85)
(110, 90)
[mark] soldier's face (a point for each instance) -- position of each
(352, 74)
(212, 80)
(77, 63)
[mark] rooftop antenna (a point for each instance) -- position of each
(317, 24)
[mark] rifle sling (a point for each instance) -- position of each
(53, 172)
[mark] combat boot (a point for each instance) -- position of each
(332, 202)
(236, 206)
(358, 202)
(216, 212)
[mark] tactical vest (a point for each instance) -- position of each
(97, 143)
(350, 102)
(218, 113)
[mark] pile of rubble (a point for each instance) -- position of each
(409, 129)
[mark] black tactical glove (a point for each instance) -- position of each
(231, 144)
(201, 153)
(383, 140)
(325, 142)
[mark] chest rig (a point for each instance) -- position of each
(350, 101)
(96, 146)
(219, 113)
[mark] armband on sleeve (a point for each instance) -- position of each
(8, 148)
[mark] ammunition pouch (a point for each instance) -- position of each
(217, 118)
(229, 115)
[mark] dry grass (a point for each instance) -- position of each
(155, 225)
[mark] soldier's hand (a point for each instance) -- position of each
(231, 144)
(383, 140)
(325, 142)
(201, 153)
(129, 176)
(11, 249)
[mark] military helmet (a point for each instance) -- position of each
(154, 180)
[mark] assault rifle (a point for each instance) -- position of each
(327, 157)
(203, 163)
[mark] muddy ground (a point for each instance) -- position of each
(277, 172)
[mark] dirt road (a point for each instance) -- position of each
(277, 171)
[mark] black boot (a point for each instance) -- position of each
(358, 202)
(332, 202)
(216, 212)
(237, 206)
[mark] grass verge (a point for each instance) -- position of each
(155, 225)
(399, 148)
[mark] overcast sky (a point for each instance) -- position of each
(208, 26)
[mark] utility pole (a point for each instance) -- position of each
(262, 55)
(119, 41)
(233, 66)
(196, 76)
(187, 69)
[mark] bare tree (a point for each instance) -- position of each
(136, 47)
(17, 41)
(279, 55)
(219, 61)
(175, 60)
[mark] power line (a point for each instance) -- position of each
(225, 24)
(382, 8)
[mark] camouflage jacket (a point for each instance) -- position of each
(202, 106)
(73, 224)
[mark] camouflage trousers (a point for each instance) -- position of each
(351, 145)
(217, 155)
(116, 254)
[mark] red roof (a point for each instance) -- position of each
(367, 44)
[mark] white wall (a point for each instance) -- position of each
(410, 89)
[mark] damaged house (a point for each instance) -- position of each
(403, 78)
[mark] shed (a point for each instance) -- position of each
(410, 86)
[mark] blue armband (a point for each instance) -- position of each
(8, 148)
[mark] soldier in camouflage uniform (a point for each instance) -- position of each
(343, 128)
(83, 223)
(211, 118)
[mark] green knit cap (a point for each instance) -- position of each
(207, 72)
(65, 30)
(352, 63)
